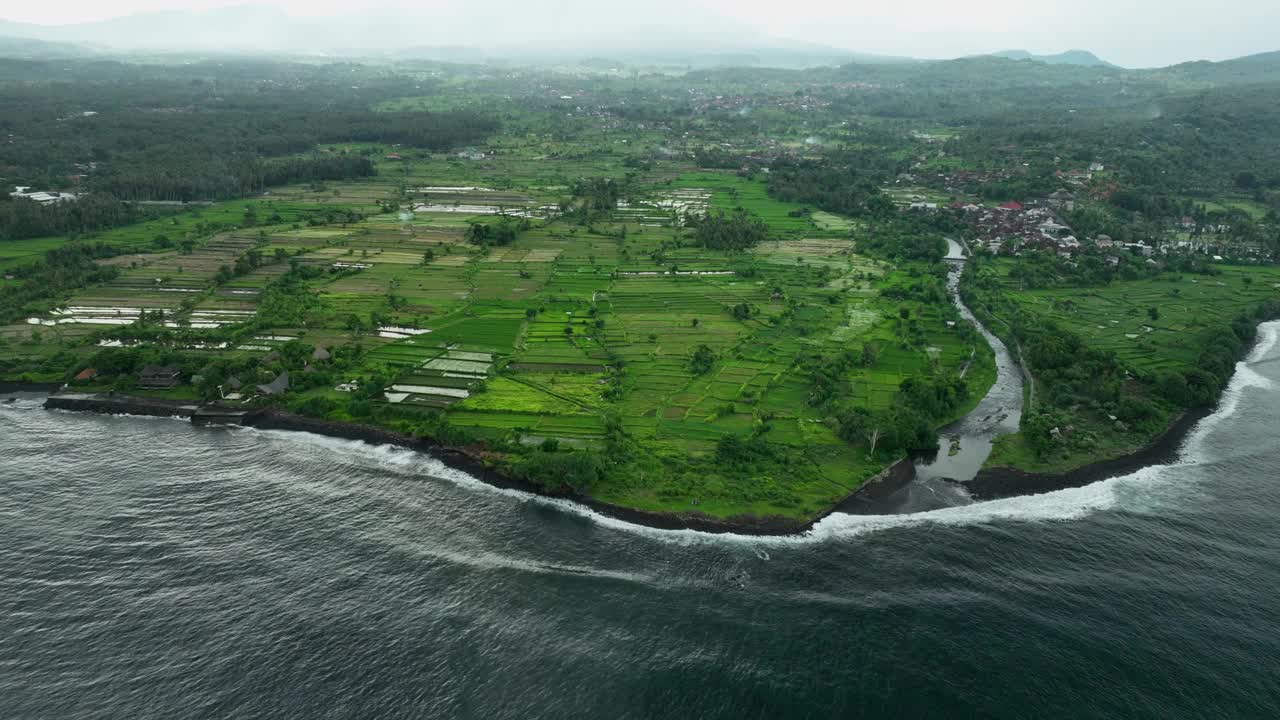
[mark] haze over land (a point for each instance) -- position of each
(807, 32)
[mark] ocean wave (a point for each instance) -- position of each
(1056, 506)
(22, 405)
(1268, 336)
(494, 561)
(1246, 378)
(1062, 505)
(404, 459)
(1075, 503)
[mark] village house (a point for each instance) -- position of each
(44, 198)
(276, 386)
(159, 377)
(1052, 228)
(1062, 200)
(1014, 227)
(1074, 177)
(234, 383)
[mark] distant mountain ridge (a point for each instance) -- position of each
(1070, 57)
(477, 30)
(1259, 68)
(30, 48)
(494, 32)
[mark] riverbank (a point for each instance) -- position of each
(473, 462)
(998, 482)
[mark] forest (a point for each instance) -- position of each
(186, 134)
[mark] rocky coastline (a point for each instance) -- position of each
(472, 462)
(1001, 482)
(988, 484)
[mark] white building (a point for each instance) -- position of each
(42, 197)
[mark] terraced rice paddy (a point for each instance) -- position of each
(730, 192)
(1116, 318)
(568, 330)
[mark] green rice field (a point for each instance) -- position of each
(574, 328)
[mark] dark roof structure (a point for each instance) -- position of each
(159, 376)
(277, 386)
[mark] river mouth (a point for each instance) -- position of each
(964, 445)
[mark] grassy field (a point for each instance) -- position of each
(1151, 327)
(1254, 209)
(573, 329)
(1117, 318)
(195, 222)
(731, 191)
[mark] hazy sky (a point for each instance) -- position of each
(1134, 33)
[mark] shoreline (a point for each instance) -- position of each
(1002, 482)
(891, 479)
(19, 386)
(988, 484)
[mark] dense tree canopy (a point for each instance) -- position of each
(730, 231)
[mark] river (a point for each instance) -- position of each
(964, 445)
(157, 570)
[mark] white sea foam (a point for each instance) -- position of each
(1057, 506)
(493, 561)
(1130, 491)
(1244, 380)
(1069, 504)
(1061, 505)
(1268, 336)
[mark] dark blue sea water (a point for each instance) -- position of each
(149, 569)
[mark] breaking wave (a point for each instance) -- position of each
(1075, 503)
(1056, 506)
(1061, 505)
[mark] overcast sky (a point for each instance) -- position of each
(1133, 33)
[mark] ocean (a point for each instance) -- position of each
(150, 569)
